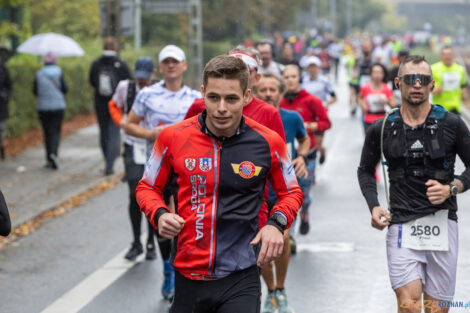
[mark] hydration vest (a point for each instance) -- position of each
(427, 157)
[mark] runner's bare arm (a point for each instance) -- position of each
(380, 218)
(133, 128)
(299, 162)
(272, 244)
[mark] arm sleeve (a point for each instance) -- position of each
(115, 112)
(195, 109)
(282, 178)
(5, 224)
(158, 170)
(463, 151)
(370, 157)
(321, 116)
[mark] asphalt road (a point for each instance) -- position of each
(74, 263)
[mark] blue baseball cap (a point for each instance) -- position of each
(143, 67)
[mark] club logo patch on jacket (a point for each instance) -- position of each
(190, 163)
(246, 169)
(205, 164)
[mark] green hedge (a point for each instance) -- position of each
(22, 68)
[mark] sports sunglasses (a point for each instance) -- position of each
(411, 79)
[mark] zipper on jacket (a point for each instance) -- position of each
(214, 207)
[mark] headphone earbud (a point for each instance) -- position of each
(432, 87)
(397, 85)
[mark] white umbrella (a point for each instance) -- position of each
(60, 45)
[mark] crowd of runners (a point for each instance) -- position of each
(222, 172)
(207, 175)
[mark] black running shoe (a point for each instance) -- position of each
(304, 227)
(135, 250)
(151, 252)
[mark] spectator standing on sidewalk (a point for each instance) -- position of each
(5, 93)
(50, 89)
(105, 74)
(134, 151)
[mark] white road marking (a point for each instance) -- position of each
(326, 247)
(87, 290)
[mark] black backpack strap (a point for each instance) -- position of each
(131, 94)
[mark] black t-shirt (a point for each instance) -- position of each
(408, 198)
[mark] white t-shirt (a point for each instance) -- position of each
(160, 106)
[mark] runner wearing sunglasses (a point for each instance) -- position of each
(420, 142)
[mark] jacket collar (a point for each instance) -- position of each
(202, 121)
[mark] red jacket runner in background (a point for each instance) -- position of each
(218, 192)
(261, 112)
(311, 109)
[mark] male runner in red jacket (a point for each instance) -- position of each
(218, 163)
(256, 109)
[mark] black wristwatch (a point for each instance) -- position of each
(454, 190)
(303, 156)
(278, 220)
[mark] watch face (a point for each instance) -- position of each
(281, 219)
(454, 190)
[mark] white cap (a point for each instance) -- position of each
(171, 51)
(311, 60)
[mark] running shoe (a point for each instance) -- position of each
(151, 252)
(168, 286)
(268, 305)
(135, 250)
(304, 227)
(281, 301)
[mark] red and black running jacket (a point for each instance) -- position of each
(218, 186)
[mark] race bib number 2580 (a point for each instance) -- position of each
(426, 233)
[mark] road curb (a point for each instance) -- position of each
(20, 227)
